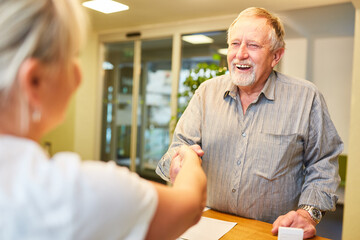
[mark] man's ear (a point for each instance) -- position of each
(277, 56)
(30, 75)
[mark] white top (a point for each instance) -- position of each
(64, 198)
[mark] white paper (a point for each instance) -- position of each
(286, 233)
(208, 229)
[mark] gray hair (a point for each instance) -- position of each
(276, 35)
(51, 31)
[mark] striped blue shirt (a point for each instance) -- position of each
(281, 153)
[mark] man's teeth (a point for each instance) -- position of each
(243, 66)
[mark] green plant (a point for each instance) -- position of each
(198, 75)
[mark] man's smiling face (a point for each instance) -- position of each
(249, 57)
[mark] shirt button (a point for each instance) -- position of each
(243, 134)
(233, 190)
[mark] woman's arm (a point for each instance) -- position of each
(180, 207)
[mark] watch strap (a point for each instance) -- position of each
(314, 212)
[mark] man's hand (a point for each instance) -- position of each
(298, 219)
(176, 161)
(197, 149)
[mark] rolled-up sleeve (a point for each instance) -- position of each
(187, 131)
(321, 150)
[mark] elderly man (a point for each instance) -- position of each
(270, 147)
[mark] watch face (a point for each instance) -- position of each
(317, 213)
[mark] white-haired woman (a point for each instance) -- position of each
(65, 198)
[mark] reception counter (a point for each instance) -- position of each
(246, 228)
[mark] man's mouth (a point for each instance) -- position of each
(243, 66)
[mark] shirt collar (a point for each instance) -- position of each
(231, 89)
(268, 90)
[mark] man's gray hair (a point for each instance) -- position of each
(276, 35)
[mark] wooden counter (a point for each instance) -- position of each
(246, 228)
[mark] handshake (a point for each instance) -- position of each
(178, 159)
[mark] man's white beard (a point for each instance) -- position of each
(242, 79)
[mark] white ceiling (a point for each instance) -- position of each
(301, 17)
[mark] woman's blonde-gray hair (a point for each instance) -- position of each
(276, 35)
(51, 31)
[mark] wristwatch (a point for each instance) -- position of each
(315, 213)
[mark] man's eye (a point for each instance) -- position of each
(251, 45)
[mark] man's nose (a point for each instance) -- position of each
(242, 52)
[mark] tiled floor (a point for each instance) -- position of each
(331, 225)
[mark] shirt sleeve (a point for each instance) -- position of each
(109, 202)
(322, 148)
(187, 131)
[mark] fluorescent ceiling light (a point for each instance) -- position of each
(223, 51)
(197, 39)
(105, 6)
(108, 66)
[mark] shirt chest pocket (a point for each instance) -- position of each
(275, 154)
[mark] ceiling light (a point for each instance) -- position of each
(108, 66)
(223, 51)
(197, 39)
(105, 6)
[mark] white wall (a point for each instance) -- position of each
(295, 57)
(329, 65)
(88, 101)
(332, 73)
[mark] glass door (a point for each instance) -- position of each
(117, 102)
(153, 111)
(155, 93)
(211, 53)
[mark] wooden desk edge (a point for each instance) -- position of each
(246, 228)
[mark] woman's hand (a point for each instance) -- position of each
(177, 159)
